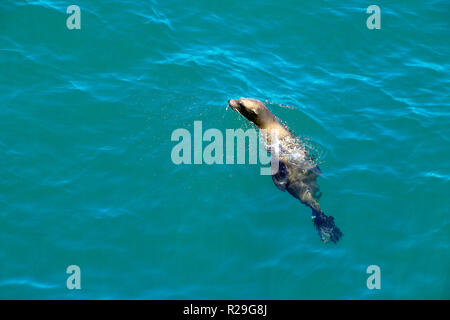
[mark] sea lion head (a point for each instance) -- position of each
(254, 110)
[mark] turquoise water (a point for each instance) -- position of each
(86, 118)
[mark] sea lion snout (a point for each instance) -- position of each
(233, 103)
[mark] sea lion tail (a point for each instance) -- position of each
(326, 227)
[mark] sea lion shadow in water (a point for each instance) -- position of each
(296, 177)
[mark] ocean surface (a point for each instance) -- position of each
(87, 177)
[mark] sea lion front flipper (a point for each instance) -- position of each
(280, 178)
(316, 170)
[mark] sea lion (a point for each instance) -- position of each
(297, 172)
